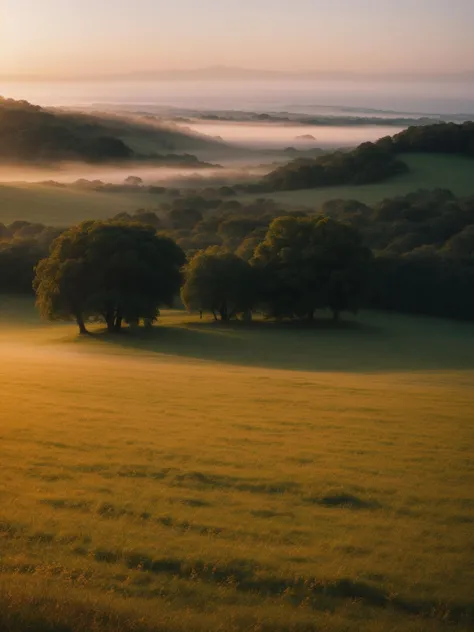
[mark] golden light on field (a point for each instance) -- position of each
(201, 460)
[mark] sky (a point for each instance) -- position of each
(56, 38)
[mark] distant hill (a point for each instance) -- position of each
(233, 73)
(29, 133)
(372, 162)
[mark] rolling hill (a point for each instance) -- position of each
(372, 163)
(31, 134)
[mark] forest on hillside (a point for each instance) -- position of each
(372, 162)
(32, 134)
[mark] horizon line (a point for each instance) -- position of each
(234, 73)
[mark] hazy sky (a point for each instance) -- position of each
(83, 37)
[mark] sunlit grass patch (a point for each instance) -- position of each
(253, 479)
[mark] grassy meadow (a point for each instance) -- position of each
(208, 477)
(427, 171)
(55, 206)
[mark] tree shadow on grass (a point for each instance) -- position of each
(376, 343)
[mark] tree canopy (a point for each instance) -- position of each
(309, 263)
(371, 162)
(29, 133)
(422, 243)
(366, 164)
(113, 271)
(219, 282)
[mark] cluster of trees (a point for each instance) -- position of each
(197, 221)
(422, 244)
(442, 138)
(366, 164)
(371, 162)
(22, 245)
(422, 249)
(194, 221)
(124, 272)
(370, 118)
(29, 133)
(303, 264)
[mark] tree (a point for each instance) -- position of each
(219, 282)
(309, 263)
(133, 181)
(184, 218)
(115, 271)
(18, 258)
(234, 229)
(365, 164)
(247, 248)
(146, 217)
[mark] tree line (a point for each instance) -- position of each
(421, 245)
(370, 162)
(121, 272)
(31, 134)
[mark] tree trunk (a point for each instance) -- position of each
(336, 315)
(110, 320)
(224, 313)
(311, 315)
(118, 323)
(81, 324)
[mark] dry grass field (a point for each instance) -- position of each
(204, 477)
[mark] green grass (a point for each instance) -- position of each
(55, 206)
(427, 171)
(63, 207)
(207, 477)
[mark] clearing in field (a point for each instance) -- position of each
(202, 476)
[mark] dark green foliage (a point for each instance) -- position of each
(309, 263)
(425, 254)
(372, 162)
(423, 245)
(184, 217)
(114, 271)
(445, 138)
(425, 281)
(22, 245)
(247, 248)
(351, 211)
(367, 164)
(17, 260)
(234, 229)
(219, 282)
(29, 133)
(141, 215)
